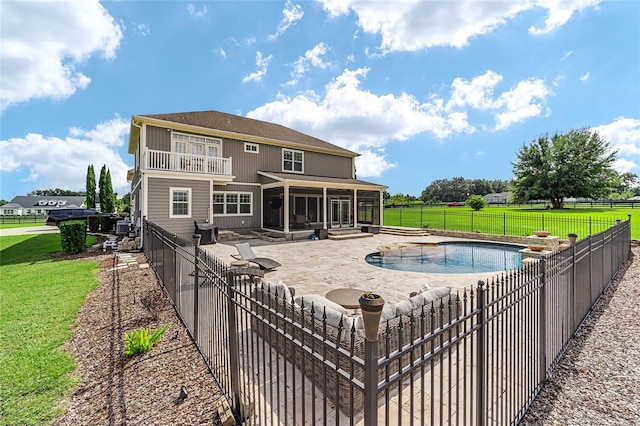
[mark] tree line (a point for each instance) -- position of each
(576, 164)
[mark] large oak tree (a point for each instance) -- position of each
(574, 164)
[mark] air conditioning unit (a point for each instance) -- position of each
(123, 227)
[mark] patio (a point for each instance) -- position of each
(318, 266)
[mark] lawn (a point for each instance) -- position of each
(21, 224)
(519, 221)
(39, 300)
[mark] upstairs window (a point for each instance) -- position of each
(292, 161)
(196, 145)
(251, 147)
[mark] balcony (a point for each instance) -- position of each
(186, 163)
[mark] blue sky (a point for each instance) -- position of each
(423, 90)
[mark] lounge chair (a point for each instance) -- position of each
(246, 253)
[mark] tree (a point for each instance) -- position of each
(91, 188)
(386, 196)
(477, 202)
(575, 164)
(102, 184)
(109, 196)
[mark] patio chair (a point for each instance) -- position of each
(245, 252)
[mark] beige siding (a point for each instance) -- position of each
(159, 203)
(269, 159)
(238, 222)
(158, 138)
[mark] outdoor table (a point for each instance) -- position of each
(348, 298)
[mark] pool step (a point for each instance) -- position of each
(348, 235)
(404, 231)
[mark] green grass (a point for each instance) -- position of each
(516, 220)
(21, 224)
(39, 300)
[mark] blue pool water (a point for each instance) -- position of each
(450, 257)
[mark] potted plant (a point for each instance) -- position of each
(371, 305)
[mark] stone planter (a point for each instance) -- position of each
(542, 234)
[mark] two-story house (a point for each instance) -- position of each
(240, 173)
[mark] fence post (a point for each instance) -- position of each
(481, 349)
(177, 280)
(471, 230)
(543, 320)
(444, 224)
(400, 215)
(572, 288)
(196, 284)
(234, 357)
(504, 223)
(421, 207)
(371, 312)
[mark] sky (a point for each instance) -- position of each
(423, 90)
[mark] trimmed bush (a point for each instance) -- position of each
(94, 222)
(73, 235)
(477, 202)
(105, 223)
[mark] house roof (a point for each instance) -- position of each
(234, 127)
(45, 201)
(319, 181)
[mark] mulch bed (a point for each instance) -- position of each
(142, 389)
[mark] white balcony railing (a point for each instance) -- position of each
(177, 162)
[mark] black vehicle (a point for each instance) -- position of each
(54, 217)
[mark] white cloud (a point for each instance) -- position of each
(262, 63)
(356, 119)
(197, 13)
(585, 77)
(559, 12)
(221, 52)
(372, 164)
(477, 93)
(43, 42)
(525, 100)
(624, 136)
(142, 29)
(312, 59)
(54, 162)
(292, 13)
(414, 24)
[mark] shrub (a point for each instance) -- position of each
(73, 234)
(477, 202)
(94, 222)
(105, 223)
(142, 340)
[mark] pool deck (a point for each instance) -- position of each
(318, 266)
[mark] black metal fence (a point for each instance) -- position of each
(22, 218)
(486, 222)
(477, 357)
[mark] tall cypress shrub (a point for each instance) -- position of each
(91, 188)
(101, 191)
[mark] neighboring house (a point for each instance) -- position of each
(40, 204)
(240, 173)
(498, 198)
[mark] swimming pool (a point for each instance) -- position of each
(454, 257)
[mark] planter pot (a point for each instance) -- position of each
(542, 233)
(572, 239)
(371, 311)
(535, 247)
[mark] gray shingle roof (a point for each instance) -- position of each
(307, 178)
(247, 126)
(46, 201)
